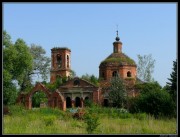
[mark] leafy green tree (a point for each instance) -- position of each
(6, 39)
(9, 89)
(94, 80)
(91, 78)
(153, 100)
(145, 67)
(72, 73)
(117, 92)
(23, 64)
(172, 85)
(16, 61)
(148, 87)
(53, 86)
(157, 103)
(9, 55)
(20, 63)
(40, 67)
(41, 63)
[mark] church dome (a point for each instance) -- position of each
(118, 59)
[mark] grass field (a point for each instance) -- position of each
(54, 121)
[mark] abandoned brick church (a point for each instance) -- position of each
(75, 91)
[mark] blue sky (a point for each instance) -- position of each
(89, 29)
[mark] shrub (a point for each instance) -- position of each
(133, 105)
(152, 100)
(157, 103)
(79, 114)
(88, 103)
(17, 109)
(92, 121)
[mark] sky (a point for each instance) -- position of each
(89, 30)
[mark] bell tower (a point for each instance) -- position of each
(60, 63)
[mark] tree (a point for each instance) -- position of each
(148, 87)
(40, 67)
(6, 39)
(91, 78)
(41, 63)
(153, 100)
(23, 64)
(117, 92)
(9, 55)
(72, 73)
(16, 61)
(172, 85)
(145, 67)
(157, 102)
(9, 89)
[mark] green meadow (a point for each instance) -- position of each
(55, 121)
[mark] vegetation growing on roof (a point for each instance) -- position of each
(60, 48)
(121, 58)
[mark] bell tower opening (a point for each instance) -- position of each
(59, 60)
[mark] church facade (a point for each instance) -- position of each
(75, 91)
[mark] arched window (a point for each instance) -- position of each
(128, 74)
(103, 75)
(76, 82)
(67, 61)
(77, 102)
(59, 60)
(114, 74)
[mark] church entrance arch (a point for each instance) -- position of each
(39, 99)
(39, 87)
(68, 102)
(77, 102)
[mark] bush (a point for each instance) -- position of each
(152, 100)
(79, 114)
(88, 103)
(92, 121)
(17, 109)
(133, 105)
(157, 103)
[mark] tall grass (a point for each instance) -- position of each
(55, 121)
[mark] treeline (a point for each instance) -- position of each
(20, 64)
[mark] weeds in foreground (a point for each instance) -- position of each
(104, 121)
